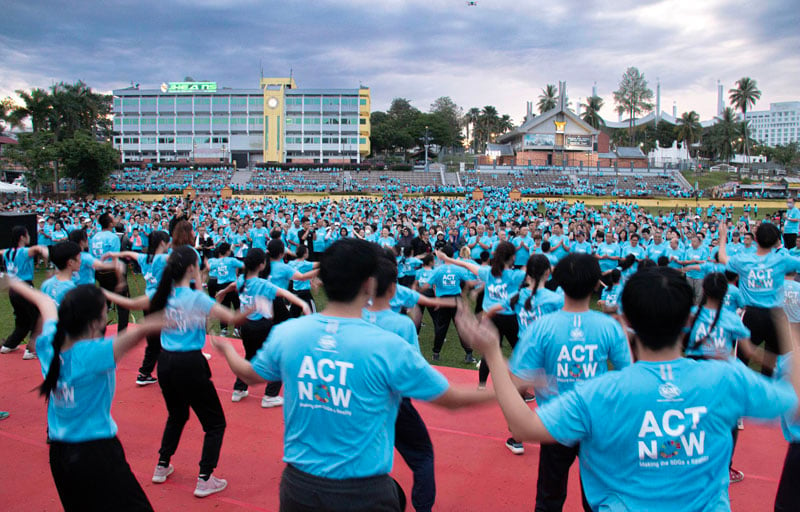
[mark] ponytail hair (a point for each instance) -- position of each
(536, 267)
(80, 306)
(153, 241)
(715, 286)
(504, 252)
(178, 262)
(17, 232)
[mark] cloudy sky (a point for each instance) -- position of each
(496, 53)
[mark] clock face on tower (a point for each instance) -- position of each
(272, 102)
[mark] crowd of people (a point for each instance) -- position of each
(654, 315)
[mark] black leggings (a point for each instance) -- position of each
(107, 279)
(95, 476)
(185, 380)
(231, 300)
(507, 326)
(26, 314)
(305, 295)
(441, 322)
(762, 330)
(254, 334)
(151, 352)
(788, 491)
(551, 484)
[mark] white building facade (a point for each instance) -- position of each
(778, 126)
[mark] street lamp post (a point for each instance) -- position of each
(426, 149)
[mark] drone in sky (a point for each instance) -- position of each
(472, 4)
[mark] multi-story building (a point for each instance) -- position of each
(197, 121)
(778, 126)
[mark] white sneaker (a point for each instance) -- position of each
(223, 332)
(28, 355)
(207, 487)
(271, 401)
(8, 350)
(207, 355)
(740, 424)
(238, 395)
(161, 473)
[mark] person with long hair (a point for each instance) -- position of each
(224, 268)
(78, 365)
(259, 293)
(280, 274)
(18, 261)
(500, 281)
(152, 264)
(302, 288)
(183, 372)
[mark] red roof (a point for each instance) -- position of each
(7, 140)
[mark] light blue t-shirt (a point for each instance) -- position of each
(611, 295)
(19, 263)
(258, 238)
(605, 249)
(568, 348)
(404, 297)
(790, 424)
(188, 309)
(446, 279)
(152, 271)
(497, 290)
(791, 300)
(719, 342)
(543, 303)
(79, 408)
(792, 224)
(344, 379)
(399, 324)
(301, 267)
(226, 269)
(424, 276)
(57, 289)
(86, 273)
(656, 436)
(733, 298)
(103, 243)
(280, 274)
(761, 278)
(253, 288)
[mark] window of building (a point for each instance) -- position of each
(238, 120)
(220, 121)
(117, 103)
(331, 120)
(362, 101)
(201, 140)
(148, 140)
(130, 121)
(362, 140)
(220, 100)
(293, 120)
(148, 120)
(130, 102)
(202, 100)
(166, 140)
(166, 120)
(183, 120)
(183, 101)
(257, 101)
(311, 120)
(148, 101)
(362, 120)
(166, 102)
(184, 140)
(311, 100)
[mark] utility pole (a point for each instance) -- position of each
(426, 149)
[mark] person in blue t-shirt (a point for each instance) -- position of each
(152, 265)
(78, 364)
(446, 281)
(18, 261)
(609, 297)
(654, 435)
(183, 372)
(791, 226)
(66, 256)
(89, 264)
(500, 281)
(256, 292)
(226, 271)
(533, 300)
(258, 235)
(761, 278)
(101, 244)
(280, 274)
(345, 379)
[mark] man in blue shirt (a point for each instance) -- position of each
(105, 242)
(345, 379)
(792, 224)
(655, 435)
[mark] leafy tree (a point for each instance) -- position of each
(36, 152)
(633, 97)
(591, 111)
(391, 130)
(65, 109)
(719, 140)
(7, 120)
(665, 134)
(471, 119)
(689, 130)
(37, 106)
(786, 155)
(548, 99)
(744, 95)
(451, 114)
(87, 161)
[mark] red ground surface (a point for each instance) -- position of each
(474, 470)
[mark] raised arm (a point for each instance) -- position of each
(297, 276)
(124, 342)
(472, 267)
(438, 302)
(722, 253)
(47, 308)
(228, 316)
(121, 254)
(140, 303)
(240, 366)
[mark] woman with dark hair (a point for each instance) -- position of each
(19, 264)
(280, 274)
(86, 458)
(183, 372)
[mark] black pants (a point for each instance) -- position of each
(414, 444)
(507, 326)
(303, 492)
(107, 279)
(789, 240)
(280, 311)
(94, 476)
(551, 485)
(788, 497)
(762, 330)
(151, 352)
(305, 296)
(185, 380)
(231, 300)
(406, 281)
(254, 333)
(26, 315)
(441, 322)
(212, 287)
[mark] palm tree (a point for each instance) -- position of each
(591, 111)
(504, 124)
(745, 94)
(547, 100)
(689, 129)
(487, 125)
(471, 119)
(37, 106)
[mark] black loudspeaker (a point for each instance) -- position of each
(9, 220)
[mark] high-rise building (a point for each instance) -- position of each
(778, 126)
(198, 121)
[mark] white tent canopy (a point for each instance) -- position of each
(9, 188)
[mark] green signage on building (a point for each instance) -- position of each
(189, 87)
